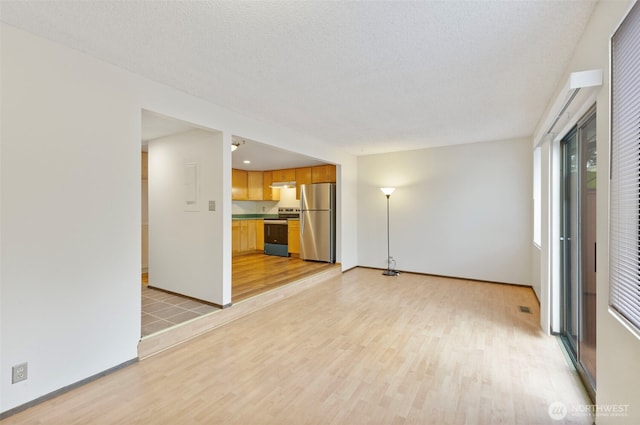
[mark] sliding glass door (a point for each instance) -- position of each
(569, 240)
(578, 246)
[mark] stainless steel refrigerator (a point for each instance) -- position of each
(318, 222)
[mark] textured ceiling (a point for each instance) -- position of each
(369, 77)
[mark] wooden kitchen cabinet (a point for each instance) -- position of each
(267, 179)
(235, 236)
(255, 185)
(303, 176)
(239, 185)
(294, 236)
(323, 174)
(247, 185)
(247, 235)
(269, 193)
(287, 175)
(260, 235)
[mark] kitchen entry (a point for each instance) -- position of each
(269, 221)
(268, 247)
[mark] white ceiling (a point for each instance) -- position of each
(369, 77)
(265, 157)
(261, 157)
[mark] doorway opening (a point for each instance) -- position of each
(578, 170)
(165, 306)
(167, 302)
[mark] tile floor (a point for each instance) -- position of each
(161, 310)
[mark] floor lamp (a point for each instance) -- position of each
(388, 191)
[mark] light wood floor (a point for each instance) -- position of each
(255, 273)
(360, 348)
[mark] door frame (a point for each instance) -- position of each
(573, 352)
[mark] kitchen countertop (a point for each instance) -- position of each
(257, 217)
(252, 216)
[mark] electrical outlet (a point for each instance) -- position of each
(212, 205)
(19, 373)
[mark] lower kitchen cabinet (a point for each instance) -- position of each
(260, 235)
(235, 235)
(294, 237)
(247, 235)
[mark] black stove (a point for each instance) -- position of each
(288, 212)
(276, 231)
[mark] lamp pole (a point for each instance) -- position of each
(388, 191)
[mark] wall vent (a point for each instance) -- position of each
(524, 309)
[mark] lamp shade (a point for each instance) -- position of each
(387, 190)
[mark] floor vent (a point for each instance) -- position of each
(524, 309)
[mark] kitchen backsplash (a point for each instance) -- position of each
(287, 199)
(254, 207)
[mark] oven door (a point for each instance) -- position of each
(276, 232)
(276, 237)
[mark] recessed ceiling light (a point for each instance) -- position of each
(246, 161)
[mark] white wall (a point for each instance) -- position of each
(184, 238)
(70, 207)
(618, 351)
(70, 277)
(535, 271)
(462, 211)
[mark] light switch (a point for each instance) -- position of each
(212, 205)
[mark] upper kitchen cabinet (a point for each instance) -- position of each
(269, 193)
(255, 185)
(239, 185)
(303, 176)
(323, 174)
(249, 185)
(287, 175)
